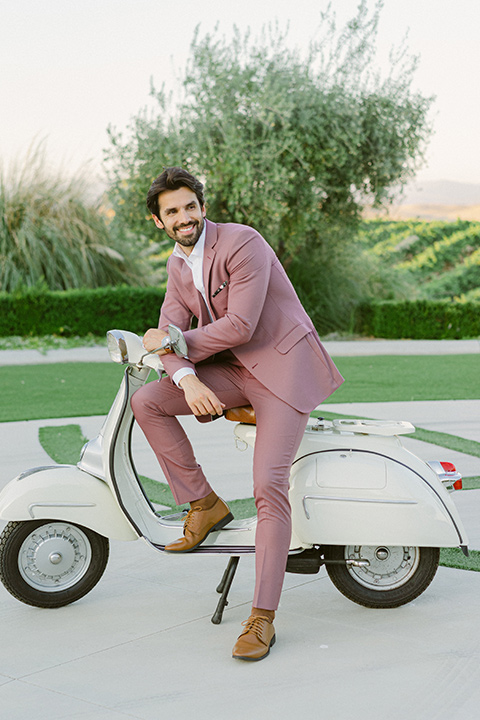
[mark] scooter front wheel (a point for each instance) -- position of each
(391, 576)
(51, 563)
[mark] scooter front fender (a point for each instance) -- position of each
(64, 492)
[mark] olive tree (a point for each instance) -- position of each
(292, 144)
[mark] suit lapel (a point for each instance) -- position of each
(189, 290)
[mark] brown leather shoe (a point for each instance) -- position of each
(255, 641)
(198, 524)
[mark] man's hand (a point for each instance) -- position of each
(153, 339)
(200, 399)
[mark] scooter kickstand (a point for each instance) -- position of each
(223, 588)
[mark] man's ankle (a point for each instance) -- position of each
(270, 614)
(207, 502)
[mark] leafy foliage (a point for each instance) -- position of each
(288, 144)
(51, 235)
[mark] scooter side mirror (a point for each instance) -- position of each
(177, 341)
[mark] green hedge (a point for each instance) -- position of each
(421, 319)
(80, 312)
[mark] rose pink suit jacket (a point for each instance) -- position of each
(256, 314)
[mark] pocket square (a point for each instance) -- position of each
(223, 285)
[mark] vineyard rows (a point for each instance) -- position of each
(437, 260)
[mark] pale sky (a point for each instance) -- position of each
(69, 69)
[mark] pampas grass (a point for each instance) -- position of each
(51, 234)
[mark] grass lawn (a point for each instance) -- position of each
(409, 377)
(32, 392)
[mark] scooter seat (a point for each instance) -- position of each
(244, 414)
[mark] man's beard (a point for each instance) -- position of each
(191, 240)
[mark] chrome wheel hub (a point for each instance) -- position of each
(388, 567)
(54, 557)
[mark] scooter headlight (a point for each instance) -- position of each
(117, 347)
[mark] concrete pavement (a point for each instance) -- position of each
(141, 644)
(336, 348)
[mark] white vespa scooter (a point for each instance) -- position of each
(371, 511)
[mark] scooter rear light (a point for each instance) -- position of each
(451, 472)
(448, 467)
(448, 474)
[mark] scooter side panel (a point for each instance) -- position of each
(64, 492)
(385, 502)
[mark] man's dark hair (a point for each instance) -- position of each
(173, 178)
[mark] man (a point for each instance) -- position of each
(254, 344)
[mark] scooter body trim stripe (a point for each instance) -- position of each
(56, 505)
(354, 500)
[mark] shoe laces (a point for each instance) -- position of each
(254, 624)
(189, 517)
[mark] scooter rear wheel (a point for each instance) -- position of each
(394, 576)
(51, 563)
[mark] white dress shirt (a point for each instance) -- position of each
(195, 263)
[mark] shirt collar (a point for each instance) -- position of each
(198, 248)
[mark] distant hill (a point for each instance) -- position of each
(427, 212)
(441, 192)
(435, 200)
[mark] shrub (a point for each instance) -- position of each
(422, 319)
(83, 312)
(80, 312)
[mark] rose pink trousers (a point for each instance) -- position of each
(279, 431)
